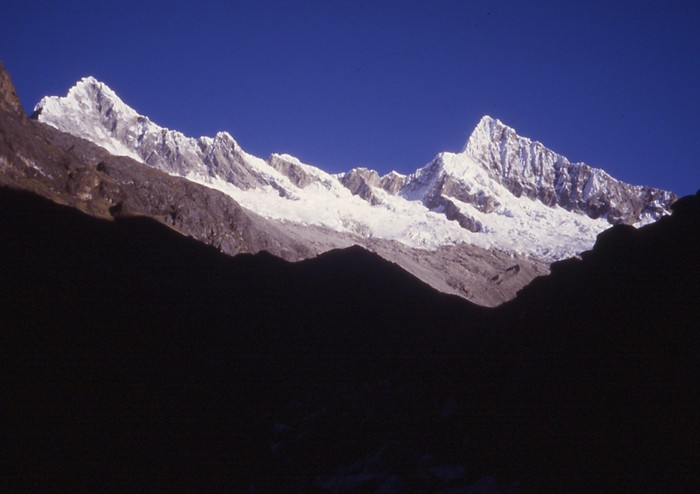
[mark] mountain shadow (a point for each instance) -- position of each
(136, 357)
(607, 391)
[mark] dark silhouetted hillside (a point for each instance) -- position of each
(134, 354)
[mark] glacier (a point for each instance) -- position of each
(502, 191)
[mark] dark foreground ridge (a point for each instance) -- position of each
(135, 358)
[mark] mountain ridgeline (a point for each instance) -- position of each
(504, 199)
(523, 167)
(136, 358)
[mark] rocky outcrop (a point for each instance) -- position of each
(361, 182)
(449, 187)
(392, 182)
(452, 212)
(527, 168)
(9, 102)
(290, 168)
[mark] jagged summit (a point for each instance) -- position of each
(93, 111)
(503, 191)
(528, 168)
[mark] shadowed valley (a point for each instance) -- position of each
(136, 358)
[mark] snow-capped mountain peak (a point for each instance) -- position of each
(93, 111)
(502, 191)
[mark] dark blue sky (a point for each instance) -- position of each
(386, 85)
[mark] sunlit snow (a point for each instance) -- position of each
(520, 225)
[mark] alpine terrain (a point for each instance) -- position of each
(481, 223)
(136, 356)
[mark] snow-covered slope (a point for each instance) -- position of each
(502, 192)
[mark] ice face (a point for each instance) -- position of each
(500, 180)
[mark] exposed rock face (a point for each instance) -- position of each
(292, 169)
(72, 171)
(452, 212)
(500, 193)
(392, 182)
(361, 182)
(528, 168)
(9, 101)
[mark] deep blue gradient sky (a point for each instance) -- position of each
(386, 85)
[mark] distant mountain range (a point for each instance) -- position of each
(137, 359)
(481, 223)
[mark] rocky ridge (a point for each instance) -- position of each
(502, 192)
(528, 168)
(102, 182)
(76, 172)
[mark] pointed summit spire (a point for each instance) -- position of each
(483, 132)
(92, 111)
